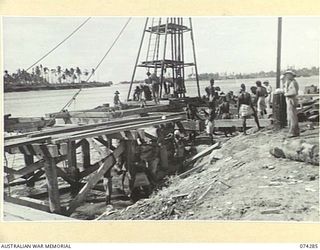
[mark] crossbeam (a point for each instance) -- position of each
(115, 130)
(93, 180)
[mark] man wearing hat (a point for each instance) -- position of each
(291, 89)
(116, 100)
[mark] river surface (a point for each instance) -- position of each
(38, 103)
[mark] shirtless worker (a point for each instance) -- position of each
(261, 94)
(245, 108)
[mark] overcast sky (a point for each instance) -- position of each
(223, 44)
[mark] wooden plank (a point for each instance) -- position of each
(36, 176)
(227, 123)
(23, 141)
(65, 176)
(107, 114)
(16, 174)
(92, 126)
(102, 151)
(52, 184)
(92, 181)
(92, 168)
(202, 154)
(28, 202)
(115, 130)
(14, 212)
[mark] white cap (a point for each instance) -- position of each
(177, 132)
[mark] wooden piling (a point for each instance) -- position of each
(52, 184)
(279, 108)
(72, 160)
(28, 159)
(85, 146)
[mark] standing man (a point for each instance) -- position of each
(269, 92)
(291, 89)
(261, 94)
(245, 108)
(155, 87)
(210, 90)
(116, 100)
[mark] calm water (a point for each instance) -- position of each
(38, 103)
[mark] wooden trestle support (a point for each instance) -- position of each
(42, 154)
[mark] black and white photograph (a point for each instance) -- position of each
(211, 118)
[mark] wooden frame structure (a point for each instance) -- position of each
(43, 151)
(166, 36)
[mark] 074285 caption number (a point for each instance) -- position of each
(311, 246)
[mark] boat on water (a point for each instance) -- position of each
(26, 124)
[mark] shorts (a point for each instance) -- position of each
(245, 111)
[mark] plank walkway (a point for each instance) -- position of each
(14, 212)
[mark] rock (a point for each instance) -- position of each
(271, 211)
(271, 167)
(277, 152)
(275, 183)
(297, 150)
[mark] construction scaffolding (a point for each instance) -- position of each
(165, 55)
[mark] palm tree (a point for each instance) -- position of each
(78, 72)
(37, 72)
(46, 74)
(67, 74)
(72, 74)
(59, 73)
(52, 78)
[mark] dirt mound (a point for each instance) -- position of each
(240, 181)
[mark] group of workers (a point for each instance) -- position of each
(258, 103)
(255, 104)
(170, 87)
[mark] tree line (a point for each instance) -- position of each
(44, 75)
(305, 72)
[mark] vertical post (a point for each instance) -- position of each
(194, 57)
(182, 57)
(279, 52)
(137, 60)
(172, 56)
(28, 160)
(72, 159)
(130, 158)
(52, 184)
(164, 56)
(85, 147)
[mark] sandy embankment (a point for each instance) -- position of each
(247, 183)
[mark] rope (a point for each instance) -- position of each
(105, 55)
(98, 65)
(54, 48)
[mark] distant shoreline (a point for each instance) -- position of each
(28, 87)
